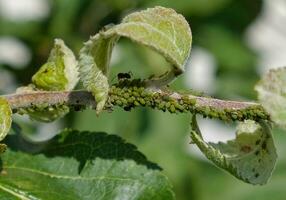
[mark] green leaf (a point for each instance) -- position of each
(250, 157)
(272, 95)
(5, 118)
(80, 165)
(161, 29)
(60, 72)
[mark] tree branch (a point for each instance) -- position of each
(134, 95)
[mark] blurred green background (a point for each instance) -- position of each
(233, 43)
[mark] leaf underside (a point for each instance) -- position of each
(80, 165)
(250, 157)
(272, 95)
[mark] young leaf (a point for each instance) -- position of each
(81, 166)
(161, 29)
(250, 157)
(60, 72)
(272, 95)
(5, 118)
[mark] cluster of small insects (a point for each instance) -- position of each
(129, 93)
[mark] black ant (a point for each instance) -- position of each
(121, 76)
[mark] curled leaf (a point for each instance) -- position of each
(250, 157)
(272, 95)
(60, 72)
(5, 118)
(94, 61)
(161, 29)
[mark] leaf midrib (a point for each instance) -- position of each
(69, 177)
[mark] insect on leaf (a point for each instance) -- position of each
(250, 157)
(5, 118)
(160, 29)
(59, 73)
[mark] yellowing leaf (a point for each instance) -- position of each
(161, 29)
(5, 118)
(272, 95)
(60, 72)
(251, 156)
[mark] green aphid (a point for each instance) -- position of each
(240, 115)
(136, 94)
(148, 103)
(126, 95)
(200, 110)
(141, 90)
(115, 97)
(131, 99)
(260, 114)
(185, 97)
(179, 107)
(142, 101)
(192, 101)
(157, 101)
(172, 109)
(168, 104)
(166, 98)
(162, 105)
(223, 117)
(112, 88)
(156, 96)
(118, 102)
(214, 114)
(135, 88)
(144, 94)
(136, 103)
(129, 91)
(124, 101)
(234, 116)
(207, 110)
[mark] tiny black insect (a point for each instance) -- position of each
(124, 75)
(127, 108)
